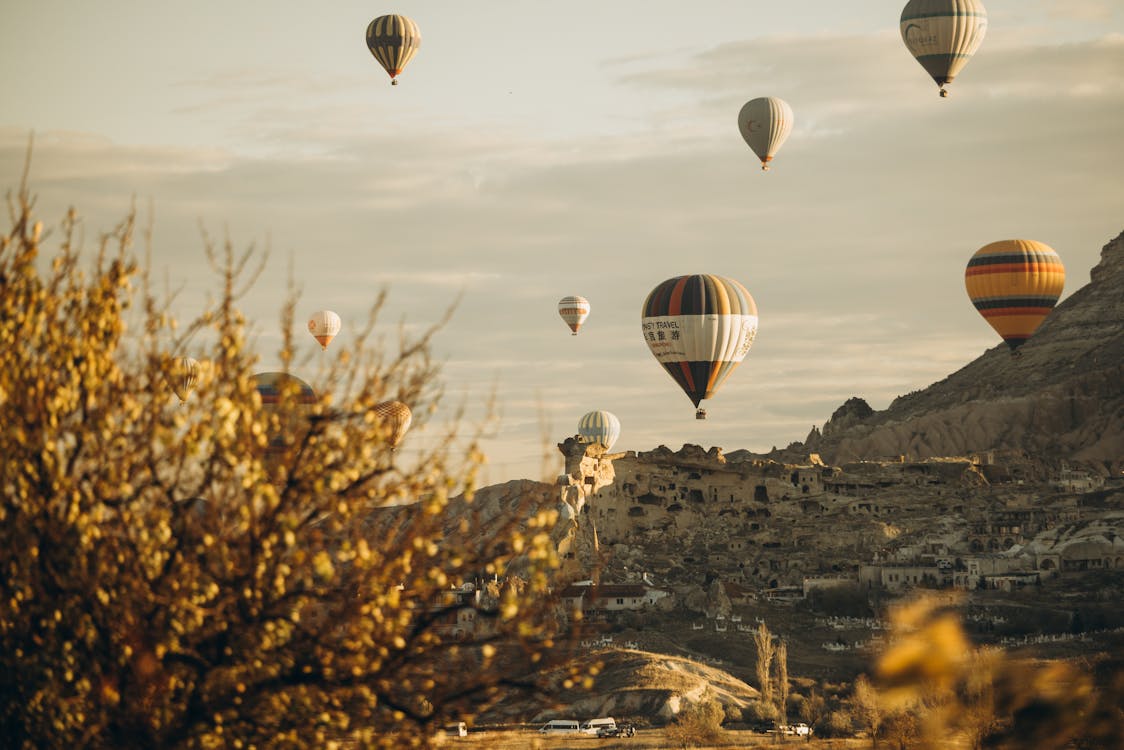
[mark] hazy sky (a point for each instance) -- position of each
(535, 150)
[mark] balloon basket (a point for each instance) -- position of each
(700, 414)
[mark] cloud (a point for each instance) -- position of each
(853, 246)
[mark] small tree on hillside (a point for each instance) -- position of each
(697, 724)
(780, 663)
(763, 641)
(217, 574)
(867, 710)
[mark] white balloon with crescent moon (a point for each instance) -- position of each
(765, 123)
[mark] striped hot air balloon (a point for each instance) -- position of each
(574, 310)
(1015, 284)
(599, 427)
(393, 40)
(765, 124)
(395, 415)
(324, 325)
(699, 328)
(182, 375)
(943, 35)
(272, 386)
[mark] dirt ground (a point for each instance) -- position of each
(645, 739)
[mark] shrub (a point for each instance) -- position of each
(217, 573)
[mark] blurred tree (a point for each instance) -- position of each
(220, 575)
(985, 697)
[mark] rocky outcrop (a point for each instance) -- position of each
(1063, 398)
(656, 686)
(853, 412)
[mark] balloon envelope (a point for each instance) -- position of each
(765, 124)
(599, 427)
(324, 325)
(271, 386)
(1015, 284)
(574, 310)
(182, 376)
(699, 328)
(943, 35)
(397, 416)
(393, 40)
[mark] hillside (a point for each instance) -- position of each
(1062, 399)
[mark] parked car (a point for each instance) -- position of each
(617, 730)
(459, 729)
(800, 730)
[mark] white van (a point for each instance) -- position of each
(560, 726)
(593, 726)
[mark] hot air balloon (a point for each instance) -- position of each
(699, 328)
(324, 325)
(943, 35)
(397, 416)
(1015, 284)
(765, 124)
(599, 427)
(393, 40)
(182, 375)
(574, 310)
(271, 385)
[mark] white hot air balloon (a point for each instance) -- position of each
(324, 325)
(765, 123)
(599, 427)
(574, 310)
(943, 35)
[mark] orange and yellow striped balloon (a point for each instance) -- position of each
(393, 40)
(1015, 284)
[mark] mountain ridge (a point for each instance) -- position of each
(1062, 398)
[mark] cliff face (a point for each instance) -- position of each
(1062, 399)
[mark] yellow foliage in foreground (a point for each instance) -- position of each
(224, 573)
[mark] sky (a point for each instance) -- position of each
(536, 150)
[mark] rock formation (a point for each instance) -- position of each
(1063, 398)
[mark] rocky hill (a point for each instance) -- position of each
(636, 682)
(1063, 398)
